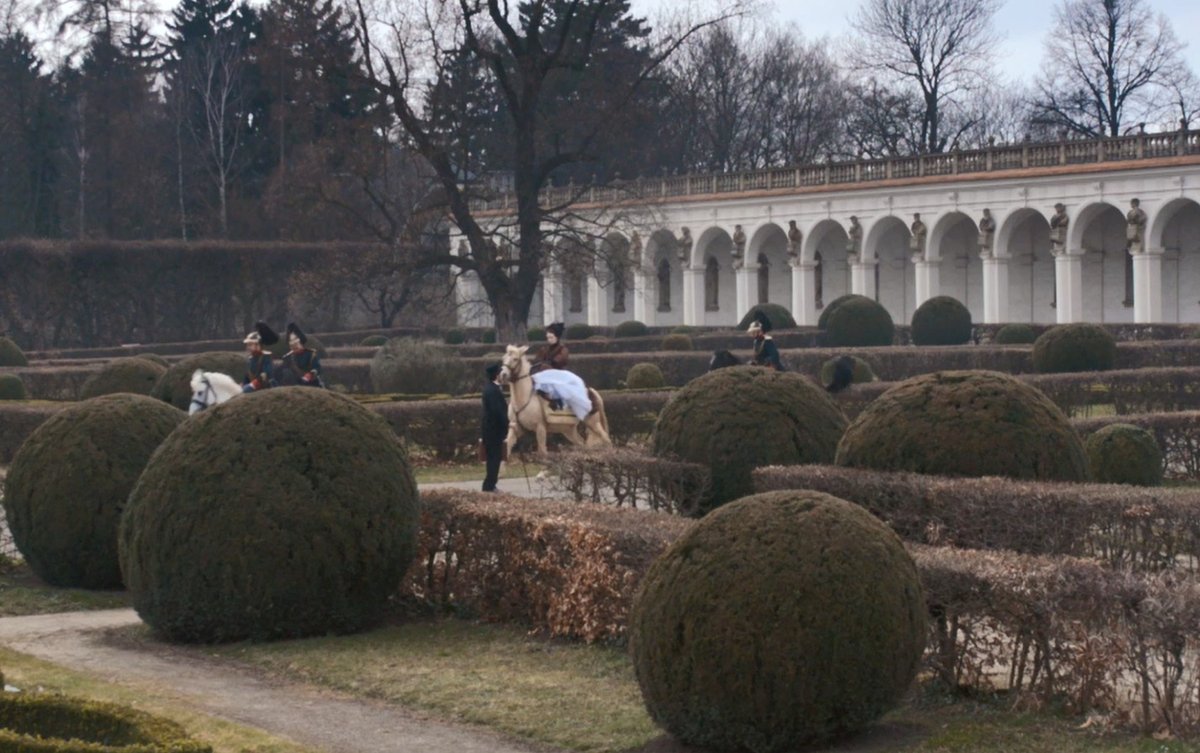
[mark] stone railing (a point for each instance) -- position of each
(1028, 155)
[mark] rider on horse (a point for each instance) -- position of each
(302, 363)
(552, 380)
(766, 352)
(260, 371)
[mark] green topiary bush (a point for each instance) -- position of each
(965, 423)
(782, 620)
(863, 372)
(11, 353)
(676, 342)
(644, 376)
(45, 723)
(69, 481)
(411, 366)
(1015, 334)
(780, 317)
(632, 328)
(739, 418)
(12, 388)
(488, 337)
(578, 331)
(135, 375)
(306, 530)
(373, 341)
(1124, 454)
(1074, 347)
(155, 358)
(683, 329)
(823, 319)
(941, 320)
(536, 335)
(454, 337)
(859, 322)
(175, 385)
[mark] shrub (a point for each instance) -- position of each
(965, 423)
(797, 617)
(536, 335)
(454, 337)
(307, 530)
(280, 349)
(859, 322)
(11, 353)
(941, 320)
(823, 319)
(578, 331)
(175, 385)
(373, 341)
(780, 317)
(676, 342)
(44, 723)
(685, 330)
(12, 388)
(632, 328)
(69, 482)
(1124, 454)
(863, 372)
(736, 419)
(155, 358)
(1015, 334)
(488, 337)
(411, 366)
(135, 375)
(1074, 347)
(644, 376)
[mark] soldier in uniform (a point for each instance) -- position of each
(260, 370)
(766, 353)
(302, 365)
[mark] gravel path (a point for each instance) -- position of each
(311, 716)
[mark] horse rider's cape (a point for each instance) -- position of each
(565, 386)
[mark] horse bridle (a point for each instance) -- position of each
(532, 393)
(208, 390)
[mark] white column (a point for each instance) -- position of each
(995, 290)
(862, 277)
(597, 302)
(693, 296)
(645, 307)
(1147, 286)
(804, 293)
(928, 280)
(747, 286)
(1068, 281)
(552, 298)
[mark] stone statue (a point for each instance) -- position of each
(1058, 229)
(1135, 226)
(739, 247)
(683, 249)
(635, 249)
(987, 234)
(854, 237)
(463, 248)
(794, 237)
(916, 243)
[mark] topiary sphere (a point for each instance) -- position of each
(631, 328)
(644, 376)
(135, 375)
(736, 419)
(373, 341)
(411, 367)
(12, 388)
(779, 621)
(154, 358)
(1124, 454)
(941, 320)
(69, 481)
(454, 337)
(11, 353)
(1015, 334)
(965, 423)
(307, 528)
(823, 319)
(578, 331)
(676, 341)
(863, 372)
(536, 335)
(859, 322)
(488, 337)
(780, 317)
(1074, 347)
(175, 385)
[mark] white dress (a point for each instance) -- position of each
(567, 387)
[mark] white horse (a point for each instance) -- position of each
(530, 412)
(211, 388)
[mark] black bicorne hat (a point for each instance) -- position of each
(557, 328)
(293, 329)
(268, 335)
(763, 320)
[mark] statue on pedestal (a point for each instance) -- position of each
(1135, 226)
(683, 249)
(739, 247)
(916, 244)
(794, 237)
(1058, 229)
(635, 249)
(854, 237)
(987, 234)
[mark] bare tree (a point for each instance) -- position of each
(1183, 93)
(1106, 64)
(940, 48)
(212, 73)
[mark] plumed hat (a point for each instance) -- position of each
(761, 323)
(557, 328)
(493, 370)
(266, 335)
(292, 329)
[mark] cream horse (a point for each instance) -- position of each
(530, 412)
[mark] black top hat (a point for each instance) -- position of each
(557, 328)
(292, 329)
(493, 371)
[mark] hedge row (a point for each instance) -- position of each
(1143, 528)
(1177, 434)
(627, 478)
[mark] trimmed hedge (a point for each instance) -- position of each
(644, 376)
(135, 375)
(43, 723)
(941, 320)
(1015, 334)
(12, 388)
(1176, 434)
(780, 317)
(175, 385)
(536, 335)
(862, 371)
(578, 331)
(1074, 347)
(11, 353)
(632, 328)
(1124, 454)
(454, 337)
(823, 319)
(404, 365)
(859, 322)
(307, 530)
(631, 478)
(676, 342)
(373, 341)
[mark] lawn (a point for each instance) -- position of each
(22, 592)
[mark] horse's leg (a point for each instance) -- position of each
(510, 441)
(597, 436)
(541, 436)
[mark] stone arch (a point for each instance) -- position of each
(769, 241)
(1175, 229)
(886, 241)
(1099, 235)
(954, 240)
(712, 253)
(828, 238)
(617, 279)
(574, 261)
(664, 292)
(1023, 237)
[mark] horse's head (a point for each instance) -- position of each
(203, 394)
(722, 359)
(513, 365)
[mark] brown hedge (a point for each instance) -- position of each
(626, 477)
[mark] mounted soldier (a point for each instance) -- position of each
(301, 365)
(766, 352)
(260, 369)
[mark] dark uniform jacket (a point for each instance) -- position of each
(494, 426)
(766, 353)
(551, 357)
(256, 367)
(297, 365)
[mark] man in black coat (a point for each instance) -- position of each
(494, 427)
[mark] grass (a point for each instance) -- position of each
(22, 593)
(434, 474)
(585, 698)
(29, 673)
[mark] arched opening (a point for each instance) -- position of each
(768, 247)
(573, 262)
(712, 253)
(764, 279)
(1024, 238)
(712, 285)
(667, 286)
(1176, 230)
(825, 245)
(618, 281)
(955, 240)
(819, 280)
(895, 280)
(1104, 247)
(663, 279)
